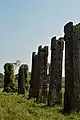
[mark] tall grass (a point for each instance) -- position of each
(17, 107)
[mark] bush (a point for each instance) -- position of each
(8, 77)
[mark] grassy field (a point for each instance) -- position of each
(14, 107)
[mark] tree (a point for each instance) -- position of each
(17, 64)
(1, 76)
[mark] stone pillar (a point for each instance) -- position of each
(38, 72)
(53, 72)
(45, 81)
(26, 77)
(8, 77)
(32, 73)
(56, 71)
(60, 47)
(72, 67)
(42, 90)
(21, 80)
(34, 77)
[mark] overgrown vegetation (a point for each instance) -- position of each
(27, 77)
(23, 79)
(1, 80)
(9, 77)
(16, 107)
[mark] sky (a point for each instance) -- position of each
(26, 24)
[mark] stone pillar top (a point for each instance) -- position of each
(21, 67)
(53, 43)
(39, 49)
(33, 54)
(68, 26)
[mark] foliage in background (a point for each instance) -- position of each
(8, 77)
(9, 80)
(1, 80)
(1, 76)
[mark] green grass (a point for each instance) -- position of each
(14, 107)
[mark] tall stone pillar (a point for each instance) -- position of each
(32, 75)
(38, 69)
(52, 73)
(56, 71)
(45, 81)
(60, 47)
(34, 82)
(43, 56)
(21, 80)
(72, 67)
(26, 77)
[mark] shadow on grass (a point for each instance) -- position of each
(63, 112)
(58, 108)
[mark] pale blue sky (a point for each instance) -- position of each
(25, 24)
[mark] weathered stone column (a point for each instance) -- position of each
(32, 75)
(26, 77)
(56, 71)
(8, 77)
(60, 47)
(21, 80)
(45, 81)
(72, 67)
(53, 72)
(34, 82)
(42, 90)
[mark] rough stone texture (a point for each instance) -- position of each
(72, 67)
(42, 59)
(56, 71)
(34, 77)
(38, 82)
(8, 77)
(53, 59)
(26, 76)
(21, 80)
